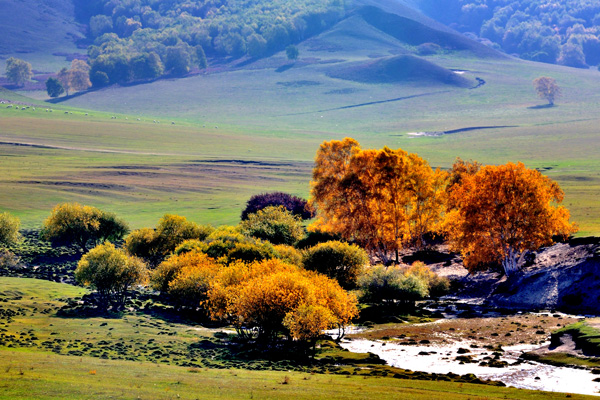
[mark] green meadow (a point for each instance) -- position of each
(50, 350)
(27, 375)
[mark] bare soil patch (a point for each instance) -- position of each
(500, 331)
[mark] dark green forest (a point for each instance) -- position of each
(553, 31)
(144, 39)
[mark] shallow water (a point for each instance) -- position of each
(520, 374)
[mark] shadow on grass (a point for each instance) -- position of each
(541, 106)
(394, 313)
(284, 68)
(84, 312)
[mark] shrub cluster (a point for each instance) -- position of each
(153, 245)
(400, 285)
(110, 272)
(85, 226)
(268, 298)
(275, 224)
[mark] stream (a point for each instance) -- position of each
(519, 373)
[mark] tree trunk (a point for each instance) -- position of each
(512, 261)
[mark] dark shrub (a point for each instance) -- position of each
(293, 204)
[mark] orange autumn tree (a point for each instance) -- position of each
(502, 212)
(383, 199)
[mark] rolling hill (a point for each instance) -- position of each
(402, 68)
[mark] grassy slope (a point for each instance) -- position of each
(28, 371)
(35, 30)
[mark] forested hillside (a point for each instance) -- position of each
(154, 37)
(553, 31)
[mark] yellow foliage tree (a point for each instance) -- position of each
(547, 89)
(383, 199)
(76, 78)
(308, 321)
(502, 212)
(9, 229)
(85, 226)
(111, 272)
(190, 284)
(171, 269)
(259, 298)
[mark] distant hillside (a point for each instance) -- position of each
(403, 68)
(142, 40)
(145, 39)
(41, 32)
(413, 32)
(566, 32)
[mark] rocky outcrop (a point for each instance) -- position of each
(563, 277)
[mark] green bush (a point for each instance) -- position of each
(172, 230)
(436, 285)
(274, 224)
(338, 260)
(313, 238)
(226, 233)
(141, 243)
(219, 249)
(288, 254)
(250, 252)
(9, 229)
(396, 284)
(84, 226)
(190, 245)
(110, 272)
(380, 284)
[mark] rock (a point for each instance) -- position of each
(565, 277)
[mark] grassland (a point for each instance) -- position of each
(141, 170)
(47, 376)
(46, 352)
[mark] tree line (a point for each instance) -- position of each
(145, 39)
(564, 32)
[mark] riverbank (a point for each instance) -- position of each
(489, 348)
